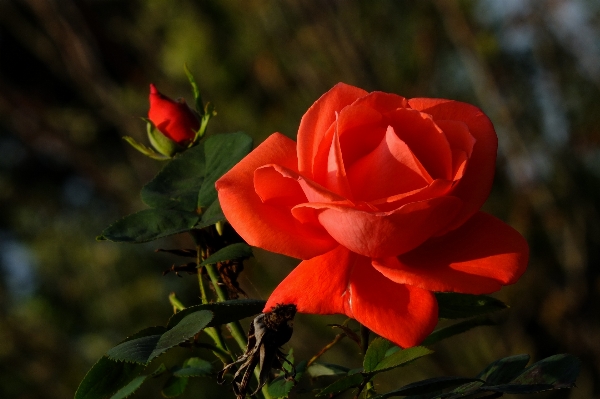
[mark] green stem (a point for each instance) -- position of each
(236, 329)
(364, 336)
(203, 296)
(176, 303)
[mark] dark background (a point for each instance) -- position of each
(74, 79)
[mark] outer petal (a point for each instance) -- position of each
(342, 282)
(317, 120)
(270, 227)
(477, 258)
(476, 183)
(403, 314)
(317, 285)
(382, 234)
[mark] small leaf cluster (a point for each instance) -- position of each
(121, 371)
(182, 197)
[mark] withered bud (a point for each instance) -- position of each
(267, 333)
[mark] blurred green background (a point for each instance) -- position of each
(74, 79)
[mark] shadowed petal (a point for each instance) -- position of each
(342, 282)
(475, 185)
(403, 314)
(316, 285)
(260, 224)
(477, 258)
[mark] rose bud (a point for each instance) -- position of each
(380, 197)
(174, 119)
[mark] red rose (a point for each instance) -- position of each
(380, 196)
(172, 118)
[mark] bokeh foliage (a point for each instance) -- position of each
(74, 79)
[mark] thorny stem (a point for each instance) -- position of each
(213, 332)
(203, 296)
(337, 339)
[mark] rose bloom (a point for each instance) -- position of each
(380, 197)
(172, 118)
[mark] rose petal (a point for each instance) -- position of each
(475, 185)
(459, 164)
(317, 120)
(436, 188)
(276, 186)
(403, 314)
(316, 285)
(382, 234)
(337, 180)
(382, 102)
(173, 118)
(264, 225)
(342, 282)
(458, 135)
(359, 130)
(390, 169)
(477, 258)
(425, 139)
(275, 180)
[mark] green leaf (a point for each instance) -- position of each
(281, 387)
(322, 369)
(150, 224)
(145, 348)
(131, 345)
(189, 326)
(234, 251)
(558, 370)
(222, 152)
(343, 384)
(223, 312)
(515, 389)
(504, 370)
(401, 358)
(211, 215)
(176, 185)
(469, 388)
(105, 378)
(457, 306)
(174, 387)
(137, 382)
(136, 351)
(194, 367)
(455, 329)
(375, 353)
(428, 386)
